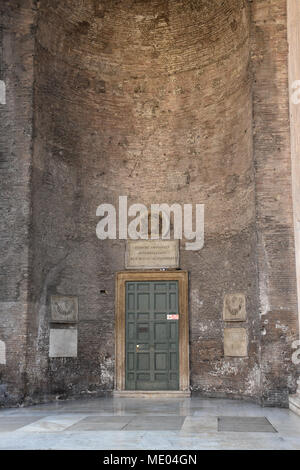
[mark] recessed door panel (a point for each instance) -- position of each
(143, 361)
(152, 361)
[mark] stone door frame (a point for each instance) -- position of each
(120, 317)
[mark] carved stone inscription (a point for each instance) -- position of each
(235, 342)
(63, 343)
(64, 309)
(151, 254)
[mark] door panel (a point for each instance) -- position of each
(152, 361)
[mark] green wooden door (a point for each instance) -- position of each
(152, 361)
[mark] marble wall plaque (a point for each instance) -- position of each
(2, 353)
(234, 308)
(63, 342)
(235, 342)
(64, 309)
(151, 254)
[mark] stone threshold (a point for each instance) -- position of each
(295, 403)
(151, 394)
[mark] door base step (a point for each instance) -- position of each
(151, 394)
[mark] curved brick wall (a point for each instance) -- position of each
(151, 100)
(154, 100)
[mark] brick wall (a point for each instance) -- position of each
(182, 101)
(275, 246)
(16, 116)
(151, 100)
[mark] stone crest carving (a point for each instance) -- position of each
(234, 308)
(64, 309)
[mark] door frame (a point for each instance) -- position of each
(120, 319)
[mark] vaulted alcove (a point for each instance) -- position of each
(164, 102)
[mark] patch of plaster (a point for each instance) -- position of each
(225, 369)
(106, 370)
(196, 302)
(253, 381)
(264, 282)
(2, 353)
(2, 92)
(202, 328)
(284, 328)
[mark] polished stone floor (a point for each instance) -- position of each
(120, 423)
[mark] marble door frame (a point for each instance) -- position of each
(126, 276)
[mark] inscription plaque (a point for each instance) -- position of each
(235, 342)
(63, 343)
(152, 254)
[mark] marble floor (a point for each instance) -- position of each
(174, 424)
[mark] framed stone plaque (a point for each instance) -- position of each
(63, 343)
(64, 309)
(152, 254)
(235, 342)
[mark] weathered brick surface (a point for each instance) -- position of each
(150, 100)
(17, 50)
(275, 247)
(154, 100)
